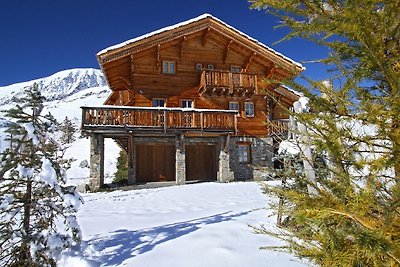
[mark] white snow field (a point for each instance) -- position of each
(196, 225)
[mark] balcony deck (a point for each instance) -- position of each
(217, 82)
(114, 119)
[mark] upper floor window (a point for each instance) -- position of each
(249, 109)
(198, 66)
(236, 69)
(210, 67)
(158, 102)
(234, 105)
(169, 67)
(244, 153)
(187, 103)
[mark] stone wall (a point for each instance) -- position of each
(261, 153)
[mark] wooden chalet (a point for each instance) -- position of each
(193, 101)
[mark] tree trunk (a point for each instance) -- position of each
(26, 256)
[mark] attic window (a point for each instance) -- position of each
(236, 69)
(169, 67)
(199, 66)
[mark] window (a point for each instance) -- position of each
(234, 106)
(210, 66)
(187, 103)
(199, 66)
(158, 102)
(244, 153)
(169, 67)
(236, 69)
(249, 109)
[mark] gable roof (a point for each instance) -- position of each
(204, 21)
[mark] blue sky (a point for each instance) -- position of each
(39, 38)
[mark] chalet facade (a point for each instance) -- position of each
(193, 101)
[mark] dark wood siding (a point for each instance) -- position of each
(155, 163)
(201, 163)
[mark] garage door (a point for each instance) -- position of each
(201, 162)
(155, 163)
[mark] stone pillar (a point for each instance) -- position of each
(224, 174)
(96, 179)
(131, 161)
(180, 162)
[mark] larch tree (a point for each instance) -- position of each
(37, 209)
(350, 214)
(68, 129)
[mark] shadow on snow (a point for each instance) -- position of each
(123, 244)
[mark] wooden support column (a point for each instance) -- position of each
(131, 161)
(224, 173)
(96, 178)
(226, 50)
(180, 162)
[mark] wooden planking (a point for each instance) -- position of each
(201, 163)
(155, 163)
(145, 80)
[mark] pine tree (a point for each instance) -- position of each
(121, 175)
(351, 217)
(68, 130)
(37, 209)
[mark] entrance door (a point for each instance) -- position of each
(155, 163)
(201, 162)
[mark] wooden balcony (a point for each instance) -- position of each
(278, 127)
(158, 120)
(219, 83)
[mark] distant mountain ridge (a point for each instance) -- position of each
(57, 86)
(66, 91)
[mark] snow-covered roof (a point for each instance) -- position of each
(189, 22)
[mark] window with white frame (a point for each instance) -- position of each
(234, 105)
(158, 102)
(244, 153)
(210, 66)
(249, 109)
(187, 103)
(169, 67)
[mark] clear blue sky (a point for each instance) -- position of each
(41, 37)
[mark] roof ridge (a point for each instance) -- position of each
(186, 22)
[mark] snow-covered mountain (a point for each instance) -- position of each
(57, 86)
(66, 91)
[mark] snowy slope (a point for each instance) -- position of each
(66, 92)
(198, 225)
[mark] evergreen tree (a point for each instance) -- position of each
(350, 214)
(37, 210)
(121, 175)
(68, 130)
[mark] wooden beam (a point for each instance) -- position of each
(270, 71)
(204, 38)
(227, 49)
(181, 47)
(246, 65)
(158, 57)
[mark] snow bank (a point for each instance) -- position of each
(194, 225)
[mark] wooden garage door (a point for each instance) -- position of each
(155, 163)
(201, 162)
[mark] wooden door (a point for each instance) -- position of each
(201, 162)
(155, 163)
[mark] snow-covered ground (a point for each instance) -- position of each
(202, 225)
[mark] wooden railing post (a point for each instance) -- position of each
(165, 121)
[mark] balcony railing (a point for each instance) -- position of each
(158, 119)
(279, 127)
(225, 82)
